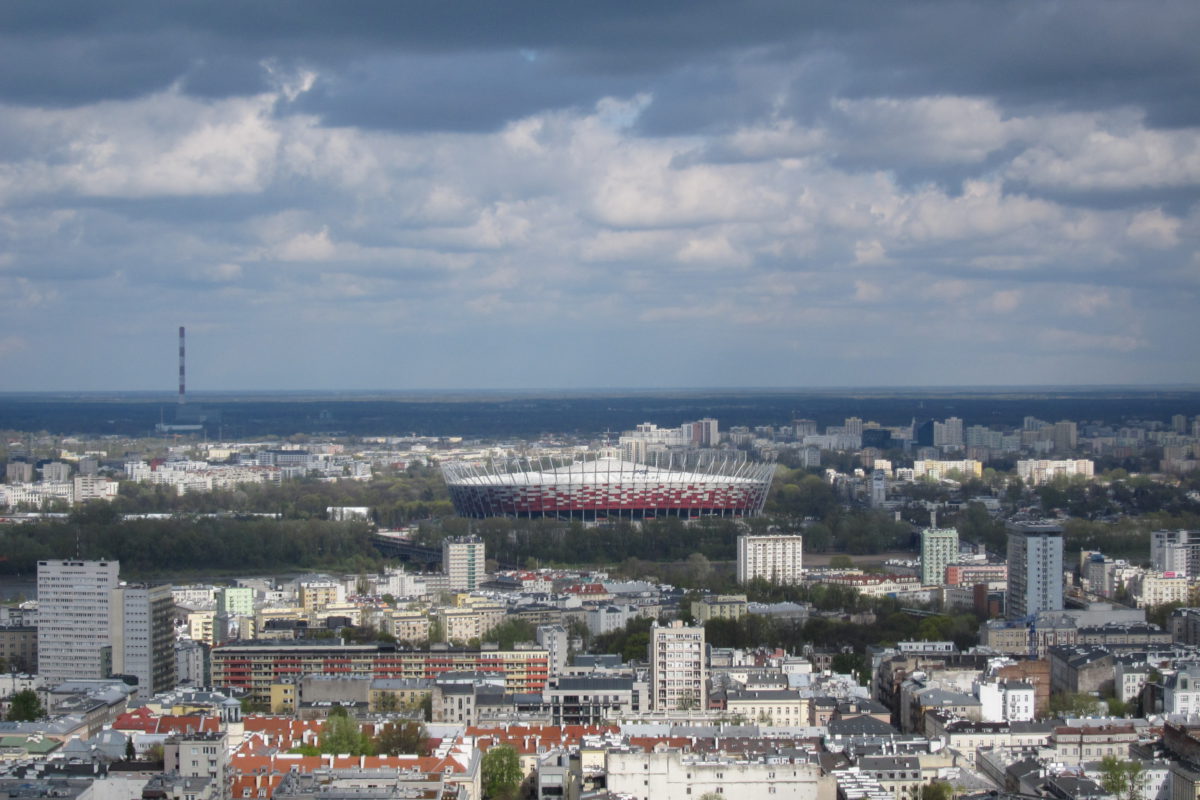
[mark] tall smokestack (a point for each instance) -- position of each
(182, 396)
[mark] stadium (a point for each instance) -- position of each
(703, 484)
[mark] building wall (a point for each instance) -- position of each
(677, 667)
(666, 775)
(73, 618)
(774, 558)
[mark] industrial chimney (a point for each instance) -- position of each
(182, 395)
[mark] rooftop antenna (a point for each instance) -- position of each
(182, 395)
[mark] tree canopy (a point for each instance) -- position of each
(500, 773)
(25, 707)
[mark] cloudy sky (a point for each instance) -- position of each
(389, 195)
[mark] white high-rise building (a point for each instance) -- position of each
(1035, 569)
(775, 558)
(678, 672)
(74, 599)
(143, 637)
(939, 549)
(463, 562)
(1176, 551)
(878, 488)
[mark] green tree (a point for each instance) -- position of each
(500, 773)
(1073, 705)
(1124, 780)
(841, 562)
(25, 707)
(404, 738)
(936, 790)
(343, 735)
(511, 631)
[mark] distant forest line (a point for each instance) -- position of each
(497, 415)
(302, 538)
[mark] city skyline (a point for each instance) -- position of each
(662, 197)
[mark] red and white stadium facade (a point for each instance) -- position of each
(720, 484)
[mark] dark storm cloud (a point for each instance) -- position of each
(1074, 54)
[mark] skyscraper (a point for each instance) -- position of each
(142, 637)
(74, 600)
(677, 668)
(1035, 569)
(939, 549)
(463, 562)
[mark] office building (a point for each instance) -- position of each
(1066, 436)
(74, 600)
(939, 549)
(678, 671)
(143, 637)
(878, 488)
(1035, 569)
(948, 434)
(463, 562)
(773, 558)
(1176, 551)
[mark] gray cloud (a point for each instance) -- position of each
(661, 194)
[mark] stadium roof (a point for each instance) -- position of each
(599, 471)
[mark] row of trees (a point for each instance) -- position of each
(394, 499)
(890, 625)
(179, 544)
(342, 734)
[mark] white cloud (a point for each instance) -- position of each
(1101, 158)
(1154, 229)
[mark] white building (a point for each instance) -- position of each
(74, 598)
(1156, 588)
(1006, 701)
(678, 671)
(671, 774)
(878, 487)
(1181, 691)
(773, 558)
(939, 549)
(1037, 472)
(1176, 551)
(463, 562)
(937, 470)
(555, 640)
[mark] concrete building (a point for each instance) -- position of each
(1035, 569)
(463, 561)
(1176, 551)
(1181, 691)
(74, 600)
(939, 549)
(671, 773)
(143, 637)
(555, 640)
(719, 606)
(1040, 471)
(678, 671)
(777, 559)
(18, 472)
(18, 647)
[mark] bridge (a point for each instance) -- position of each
(393, 546)
(429, 558)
